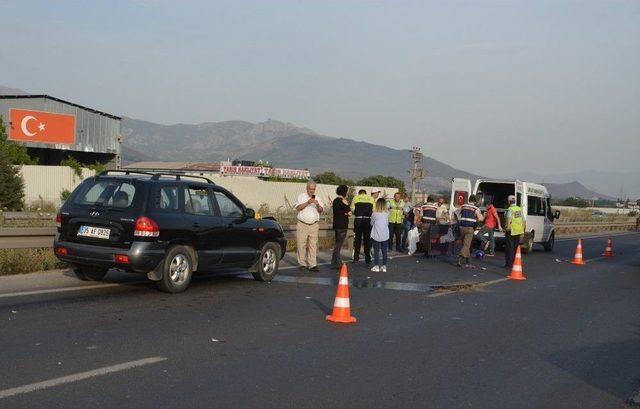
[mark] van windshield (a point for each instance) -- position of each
(118, 194)
(496, 193)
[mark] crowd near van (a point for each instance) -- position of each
(532, 197)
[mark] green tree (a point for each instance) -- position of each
(331, 178)
(11, 184)
(15, 153)
(382, 181)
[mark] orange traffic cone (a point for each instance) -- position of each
(516, 270)
(608, 251)
(577, 259)
(341, 306)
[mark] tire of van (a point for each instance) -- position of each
(527, 246)
(90, 273)
(266, 266)
(548, 246)
(177, 270)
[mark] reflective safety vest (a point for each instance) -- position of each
(395, 211)
(429, 212)
(468, 217)
(517, 220)
(362, 206)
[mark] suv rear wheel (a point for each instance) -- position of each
(267, 265)
(177, 270)
(90, 273)
(527, 243)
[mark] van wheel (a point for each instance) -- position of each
(177, 270)
(90, 273)
(527, 246)
(267, 265)
(548, 246)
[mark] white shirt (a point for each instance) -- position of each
(309, 214)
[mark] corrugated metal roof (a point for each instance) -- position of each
(95, 111)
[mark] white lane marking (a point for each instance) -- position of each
(79, 376)
(328, 263)
(65, 289)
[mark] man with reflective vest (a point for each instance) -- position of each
(396, 215)
(362, 207)
(428, 226)
(515, 227)
(470, 215)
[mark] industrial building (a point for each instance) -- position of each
(53, 130)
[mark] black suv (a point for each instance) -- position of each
(164, 225)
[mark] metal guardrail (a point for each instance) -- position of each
(37, 237)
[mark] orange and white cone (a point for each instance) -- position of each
(341, 305)
(577, 258)
(516, 270)
(608, 251)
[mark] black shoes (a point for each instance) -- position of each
(314, 268)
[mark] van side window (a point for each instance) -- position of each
(535, 206)
(197, 201)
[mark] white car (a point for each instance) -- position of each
(532, 197)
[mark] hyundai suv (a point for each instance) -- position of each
(165, 226)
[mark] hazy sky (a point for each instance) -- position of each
(490, 87)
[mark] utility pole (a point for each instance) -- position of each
(417, 171)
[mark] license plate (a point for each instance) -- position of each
(95, 232)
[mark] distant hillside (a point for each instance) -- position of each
(573, 189)
(280, 143)
(11, 91)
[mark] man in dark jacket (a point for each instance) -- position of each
(362, 207)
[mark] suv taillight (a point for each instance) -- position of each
(58, 220)
(145, 227)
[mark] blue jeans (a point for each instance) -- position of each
(406, 226)
(377, 246)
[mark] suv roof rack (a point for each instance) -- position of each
(126, 172)
(156, 176)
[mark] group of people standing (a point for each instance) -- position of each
(380, 223)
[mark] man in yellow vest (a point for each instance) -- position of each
(396, 215)
(515, 227)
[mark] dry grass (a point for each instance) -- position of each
(22, 261)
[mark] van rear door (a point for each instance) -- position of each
(460, 191)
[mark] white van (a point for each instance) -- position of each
(532, 197)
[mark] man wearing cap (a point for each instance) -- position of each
(309, 208)
(362, 207)
(470, 215)
(515, 226)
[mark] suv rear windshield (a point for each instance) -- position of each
(109, 193)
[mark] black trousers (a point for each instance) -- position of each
(336, 258)
(395, 230)
(362, 231)
(510, 246)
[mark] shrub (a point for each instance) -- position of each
(22, 261)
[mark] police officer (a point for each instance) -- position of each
(515, 227)
(427, 226)
(362, 207)
(470, 215)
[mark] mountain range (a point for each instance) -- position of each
(287, 145)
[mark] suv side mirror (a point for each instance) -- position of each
(556, 214)
(249, 213)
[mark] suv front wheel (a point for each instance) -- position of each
(177, 270)
(267, 265)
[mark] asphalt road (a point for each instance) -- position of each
(428, 335)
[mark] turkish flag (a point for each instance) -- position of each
(41, 126)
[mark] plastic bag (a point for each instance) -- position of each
(412, 238)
